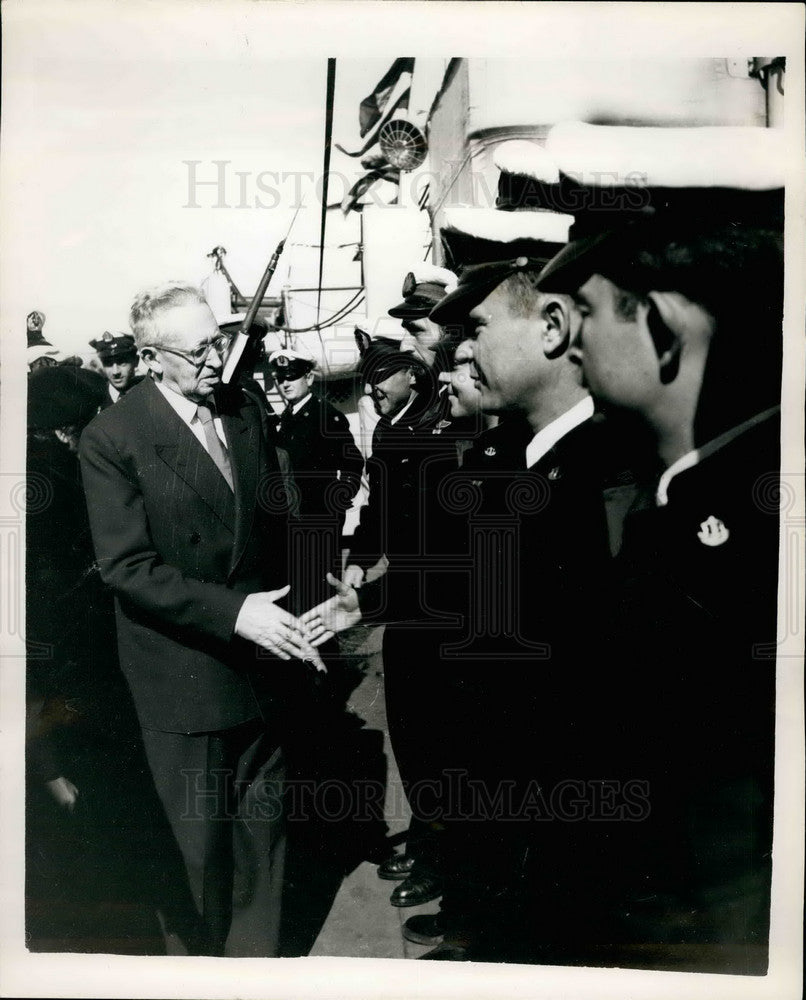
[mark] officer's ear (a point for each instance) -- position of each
(556, 325)
(309, 379)
(674, 323)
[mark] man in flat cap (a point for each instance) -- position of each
(671, 337)
(118, 355)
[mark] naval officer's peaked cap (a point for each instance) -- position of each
(625, 185)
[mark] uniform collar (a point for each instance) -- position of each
(296, 407)
(114, 394)
(548, 436)
(692, 458)
(407, 407)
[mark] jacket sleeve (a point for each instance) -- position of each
(127, 559)
(366, 546)
(346, 456)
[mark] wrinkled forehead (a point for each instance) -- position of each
(187, 325)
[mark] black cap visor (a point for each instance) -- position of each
(476, 283)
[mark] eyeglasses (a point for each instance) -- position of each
(198, 357)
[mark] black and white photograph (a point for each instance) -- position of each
(402, 499)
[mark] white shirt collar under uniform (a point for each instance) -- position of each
(300, 403)
(548, 436)
(692, 458)
(400, 413)
(114, 394)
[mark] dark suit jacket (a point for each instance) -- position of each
(180, 552)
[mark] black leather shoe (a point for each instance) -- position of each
(424, 928)
(396, 868)
(417, 889)
(447, 953)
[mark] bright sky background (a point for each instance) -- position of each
(100, 123)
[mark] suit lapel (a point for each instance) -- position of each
(176, 446)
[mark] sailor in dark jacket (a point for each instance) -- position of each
(671, 337)
(326, 462)
(118, 355)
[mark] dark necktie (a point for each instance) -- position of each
(286, 419)
(215, 448)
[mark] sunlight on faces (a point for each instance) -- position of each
(421, 337)
(619, 362)
(294, 389)
(463, 394)
(392, 393)
(188, 328)
(120, 371)
(508, 357)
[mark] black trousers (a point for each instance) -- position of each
(222, 796)
(420, 695)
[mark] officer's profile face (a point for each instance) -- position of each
(294, 389)
(508, 358)
(392, 394)
(463, 394)
(182, 355)
(120, 370)
(614, 346)
(421, 338)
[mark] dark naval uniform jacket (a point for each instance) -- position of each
(694, 701)
(180, 553)
(405, 458)
(326, 463)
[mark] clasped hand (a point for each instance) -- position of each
(335, 614)
(261, 621)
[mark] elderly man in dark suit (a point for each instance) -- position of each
(188, 517)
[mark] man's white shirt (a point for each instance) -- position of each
(187, 411)
(548, 436)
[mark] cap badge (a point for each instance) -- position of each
(490, 451)
(555, 473)
(409, 285)
(713, 532)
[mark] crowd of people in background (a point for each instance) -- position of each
(569, 539)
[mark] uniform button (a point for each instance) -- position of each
(195, 538)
